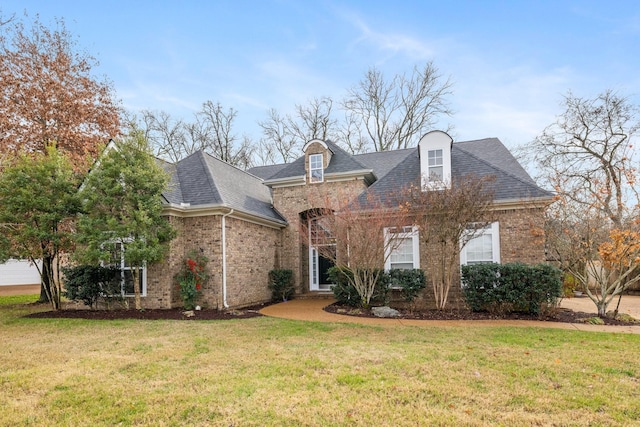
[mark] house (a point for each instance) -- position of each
(248, 222)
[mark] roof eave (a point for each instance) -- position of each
(523, 202)
(187, 211)
(285, 182)
(365, 174)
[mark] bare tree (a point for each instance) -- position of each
(166, 135)
(210, 131)
(314, 120)
(447, 219)
(49, 96)
(284, 136)
(395, 111)
(587, 157)
(216, 126)
(278, 144)
(350, 134)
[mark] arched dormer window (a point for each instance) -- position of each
(317, 157)
(435, 160)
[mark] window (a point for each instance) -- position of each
(402, 247)
(436, 165)
(116, 259)
(483, 248)
(322, 251)
(316, 169)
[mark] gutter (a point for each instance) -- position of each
(224, 259)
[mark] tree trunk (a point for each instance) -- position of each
(602, 308)
(135, 272)
(45, 280)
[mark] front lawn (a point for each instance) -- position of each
(265, 371)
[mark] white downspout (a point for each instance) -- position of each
(224, 259)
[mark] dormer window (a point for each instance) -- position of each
(316, 168)
(435, 169)
(435, 160)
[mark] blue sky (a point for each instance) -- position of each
(510, 61)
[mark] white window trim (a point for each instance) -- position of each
(494, 230)
(413, 234)
(435, 140)
(440, 166)
(122, 266)
(312, 169)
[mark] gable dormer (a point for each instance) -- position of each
(317, 156)
(435, 160)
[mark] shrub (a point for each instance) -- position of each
(511, 287)
(89, 283)
(411, 282)
(191, 277)
(281, 284)
(346, 293)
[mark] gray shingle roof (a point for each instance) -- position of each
(266, 172)
(205, 180)
(201, 179)
(341, 162)
(490, 157)
(485, 157)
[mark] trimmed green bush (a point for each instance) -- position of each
(347, 294)
(410, 282)
(281, 284)
(89, 283)
(514, 287)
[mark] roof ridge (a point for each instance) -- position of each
(351, 156)
(497, 166)
(212, 182)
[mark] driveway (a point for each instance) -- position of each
(630, 305)
(7, 290)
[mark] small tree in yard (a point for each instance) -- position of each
(38, 203)
(588, 157)
(609, 267)
(448, 218)
(122, 201)
(351, 234)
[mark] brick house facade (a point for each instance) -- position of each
(249, 222)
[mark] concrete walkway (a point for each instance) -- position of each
(312, 310)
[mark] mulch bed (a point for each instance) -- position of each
(558, 315)
(150, 314)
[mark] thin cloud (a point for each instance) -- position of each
(391, 43)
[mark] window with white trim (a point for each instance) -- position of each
(483, 248)
(116, 259)
(435, 170)
(316, 168)
(402, 247)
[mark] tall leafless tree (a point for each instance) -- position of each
(394, 112)
(284, 136)
(210, 131)
(587, 155)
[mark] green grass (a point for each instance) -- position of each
(272, 372)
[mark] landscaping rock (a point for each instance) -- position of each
(385, 312)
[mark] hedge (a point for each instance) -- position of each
(514, 287)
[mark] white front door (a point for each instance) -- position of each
(318, 271)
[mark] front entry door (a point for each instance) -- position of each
(318, 271)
